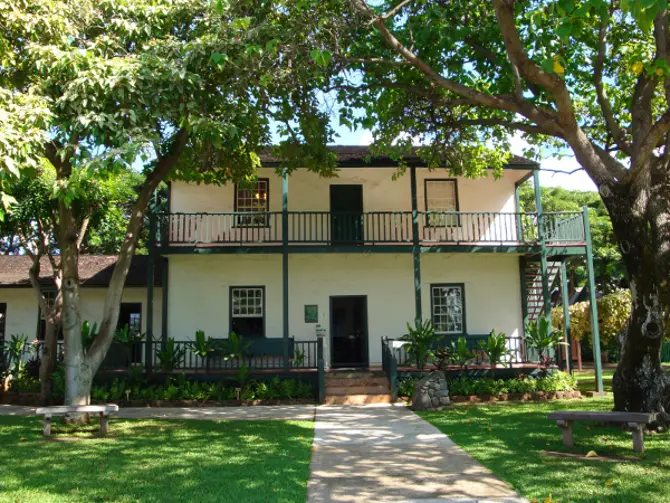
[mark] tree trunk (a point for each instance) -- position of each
(640, 384)
(48, 359)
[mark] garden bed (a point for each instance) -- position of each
(518, 397)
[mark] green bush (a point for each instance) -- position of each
(180, 388)
(406, 386)
(556, 381)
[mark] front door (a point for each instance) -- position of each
(349, 331)
(346, 214)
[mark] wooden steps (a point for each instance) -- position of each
(345, 387)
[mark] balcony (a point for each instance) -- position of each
(368, 229)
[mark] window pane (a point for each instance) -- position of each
(447, 309)
(253, 200)
(247, 302)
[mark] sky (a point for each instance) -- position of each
(575, 181)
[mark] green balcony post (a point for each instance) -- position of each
(284, 257)
(566, 315)
(595, 330)
(524, 301)
(416, 249)
(164, 301)
(321, 370)
(148, 356)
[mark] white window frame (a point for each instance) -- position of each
(435, 307)
(253, 200)
(434, 217)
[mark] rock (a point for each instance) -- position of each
(431, 392)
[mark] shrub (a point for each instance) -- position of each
(496, 349)
(556, 381)
(406, 387)
(421, 338)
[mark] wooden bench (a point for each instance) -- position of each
(633, 420)
(103, 410)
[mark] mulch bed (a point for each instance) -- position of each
(523, 397)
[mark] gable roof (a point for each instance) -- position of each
(360, 155)
(94, 270)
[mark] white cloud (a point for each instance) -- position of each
(365, 138)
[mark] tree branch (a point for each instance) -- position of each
(375, 61)
(392, 12)
(82, 231)
(604, 102)
(646, 148)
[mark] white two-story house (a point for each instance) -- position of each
(356, 257)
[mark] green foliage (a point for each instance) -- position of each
(128, 337)
(88, 334)
(299, 357)
(14, 347)
(421, 338)
(541, 337)
(554, 381)
(237, 347)
(171, 356)
(202, 345)
(406, 386)
(496, 349)
(180, 388)
(443, 357)
(460, 353)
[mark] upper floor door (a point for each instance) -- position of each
(346, 214)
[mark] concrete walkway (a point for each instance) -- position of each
(264, 412)
(387, 453)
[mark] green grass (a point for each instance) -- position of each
(509, 438)
(156, 461)
(586, 379)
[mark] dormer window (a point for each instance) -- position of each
(253, 199)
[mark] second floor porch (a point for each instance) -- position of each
(195, 231)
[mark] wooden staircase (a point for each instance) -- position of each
(533, 279)
(356, 387)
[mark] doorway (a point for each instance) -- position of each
(349, 331)
(346, 214)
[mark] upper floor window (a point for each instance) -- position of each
(447, 303)
(440, 196)
(254, 200)
(247, 311)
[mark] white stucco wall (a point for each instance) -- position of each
(309, 192)
(22, 308)
(199, 291)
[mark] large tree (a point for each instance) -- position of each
(188, 89)
(30, 227)
(588, 77)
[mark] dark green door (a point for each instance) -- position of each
(346, 214)
(349, 331)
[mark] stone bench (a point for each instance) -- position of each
(103, 410)
(633, 420)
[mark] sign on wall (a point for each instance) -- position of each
(311, 313)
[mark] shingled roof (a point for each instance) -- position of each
(360, 155)
(94, 270)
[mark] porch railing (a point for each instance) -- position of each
(370, 228)
(395, 353)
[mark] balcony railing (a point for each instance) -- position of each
(368, 228)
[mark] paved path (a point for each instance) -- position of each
(385, 453)
(264, 412)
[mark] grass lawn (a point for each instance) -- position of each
(586, 379)
(156, 461)
(509, 439)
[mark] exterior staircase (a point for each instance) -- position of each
(356, 387)
(533, 279)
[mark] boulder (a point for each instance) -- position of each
(431, 392)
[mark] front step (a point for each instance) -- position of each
(356, 399)
(356, 388)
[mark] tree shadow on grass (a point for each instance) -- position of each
(158, 461)
(509, 439)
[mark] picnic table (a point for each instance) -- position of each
(103, 410)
